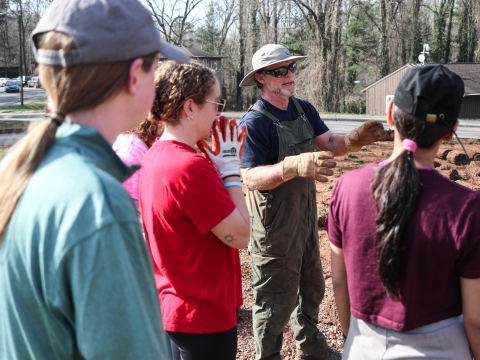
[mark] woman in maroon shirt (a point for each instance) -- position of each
(405, 240)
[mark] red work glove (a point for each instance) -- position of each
(227, 147)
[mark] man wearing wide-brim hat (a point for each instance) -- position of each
(279, 169)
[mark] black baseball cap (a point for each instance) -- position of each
(430, 93)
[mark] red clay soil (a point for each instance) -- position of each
(328, 318)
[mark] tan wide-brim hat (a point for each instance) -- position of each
(267, 55)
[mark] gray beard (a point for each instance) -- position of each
(282, 93)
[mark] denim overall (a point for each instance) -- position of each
(287, 276)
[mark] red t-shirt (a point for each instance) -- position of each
(441, 244)
(198, 277)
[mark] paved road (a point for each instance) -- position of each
(343, 123)
(29, 95)
(339, 124)
(467, 129)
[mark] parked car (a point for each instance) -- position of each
(3, 81)
(25, 80)
(34, 82)
(12, 86)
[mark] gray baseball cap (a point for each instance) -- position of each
(267, 55)
(104, 31)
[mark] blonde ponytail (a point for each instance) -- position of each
(74, 88)
(18, 166)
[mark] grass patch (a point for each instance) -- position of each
(364, 148)
(330, 187)
(357, 162)
(386, 154)
(13, 125)
(453, 142)
(36, 106)
(352, 156)
(3, 150)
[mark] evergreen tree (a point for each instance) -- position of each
(442, 31)
(208, 34)
(467, 37)
(359, 42)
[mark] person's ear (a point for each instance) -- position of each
(449, 136)
(260, 78)
(189, 107)
(389, 114)
(134, 73)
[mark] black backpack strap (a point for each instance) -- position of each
(267, 114)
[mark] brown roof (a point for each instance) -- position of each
(376, 82)
(469, 72)
(199, 53)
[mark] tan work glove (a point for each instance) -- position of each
(366, 134)
(310, 165)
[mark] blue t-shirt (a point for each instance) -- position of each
(261, 147)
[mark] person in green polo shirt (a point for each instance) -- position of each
(76, 278)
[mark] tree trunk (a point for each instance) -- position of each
(241, 65)
(417, 45)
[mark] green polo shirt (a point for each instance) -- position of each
(76, 279)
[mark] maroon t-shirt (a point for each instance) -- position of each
(198, 276)
(441, 244)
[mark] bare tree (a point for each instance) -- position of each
(172, 18)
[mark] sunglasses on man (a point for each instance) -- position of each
(281, 71)
(220, 104)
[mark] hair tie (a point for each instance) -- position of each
(409, 145)
(58, 118)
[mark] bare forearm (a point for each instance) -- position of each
(340, 287)
(236, 194)
(336, 144)
(471, 313)
(342, 300)
(234, 230)
(331, 142)
(473, 335)
(263, 177)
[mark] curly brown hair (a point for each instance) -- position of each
(148, 131)
(174, 84)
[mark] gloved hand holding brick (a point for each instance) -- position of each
(227, 147)
(310, 165)
(366, 134)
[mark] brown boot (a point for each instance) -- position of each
(328, 354)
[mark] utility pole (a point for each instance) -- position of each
(21, 58)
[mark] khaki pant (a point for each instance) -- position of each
(440, 341)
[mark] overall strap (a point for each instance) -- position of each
(267, 114)
(299, 107)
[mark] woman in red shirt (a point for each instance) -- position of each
(194, 214)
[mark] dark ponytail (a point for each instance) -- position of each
(395, 189)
